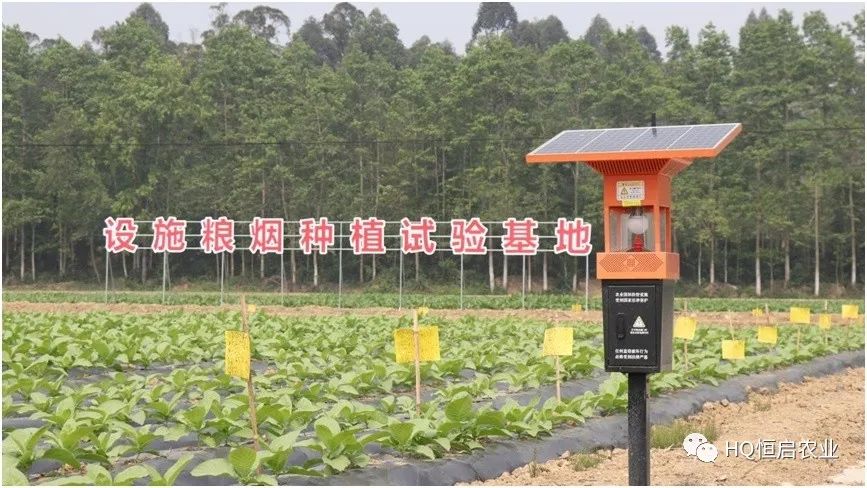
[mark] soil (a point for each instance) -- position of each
(830, 407)
(738, 319)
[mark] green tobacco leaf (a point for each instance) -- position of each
(460, 409)
(401, 433)
(265, 479)
(243, 460)
(425, 451)
(138, 417)
(62, 455)
(374, 437)
(73, 480)
(326, 427)
(128, 475)
(285, 442)
(444, 442)
(340, 463)
(11, 475)
(173, 472)
(214, 467)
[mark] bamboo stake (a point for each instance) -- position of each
(251, 394)
(685, 356)
(417, 353)
(768, 322)
(731, 326)
(824, 332)
(557, 363)
(685, 342)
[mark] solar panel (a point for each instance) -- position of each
(613, 140)
(684, 141)
(657, 138)
(703, 136)
(570, 140)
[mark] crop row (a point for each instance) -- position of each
(330, 388)
(552, 301)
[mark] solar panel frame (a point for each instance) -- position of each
(683, 141)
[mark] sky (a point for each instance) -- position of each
(439, 21)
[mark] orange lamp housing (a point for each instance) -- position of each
(638, 268)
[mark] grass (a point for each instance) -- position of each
(762, 403)
(585, 461)
(673, 434)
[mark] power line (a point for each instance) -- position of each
(277, 143)
(364, 142)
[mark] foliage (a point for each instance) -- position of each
(342, 119)
(327, 390)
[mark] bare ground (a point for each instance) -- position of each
(830, 407)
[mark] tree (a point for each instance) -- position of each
(21, 208)
(263, 21)
(597, 32)
(647, 41)
(340, 24)
(377, 35)
(151, 17)
(312, 34)
(540, 34)
(494, 18)
(344, 121)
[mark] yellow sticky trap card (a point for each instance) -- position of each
(684, 328)
(850, 311)
(757, 312)
(798, 315)
(251, 308)
(422, 311)
(428, 344)
(238, 354)
(767, 334)
(558, 342)
(576, 307)
(824, 321)
(733, 349)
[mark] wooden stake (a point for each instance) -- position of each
(798, 340)
(557, 363)
(768, 322)
(685, 356)
(417, 354)
(685, 342)
(251, 394)
(731, 326)
(824, 332)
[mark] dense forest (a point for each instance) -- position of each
(344, 120)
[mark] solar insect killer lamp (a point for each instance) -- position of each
(638, 268)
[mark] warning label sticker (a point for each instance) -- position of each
(631, 353)
(631, 297)
(630, 191)
(638, 327)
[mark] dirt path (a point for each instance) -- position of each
(831, 407)
(739, 319)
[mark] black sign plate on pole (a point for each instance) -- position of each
(637, 321)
